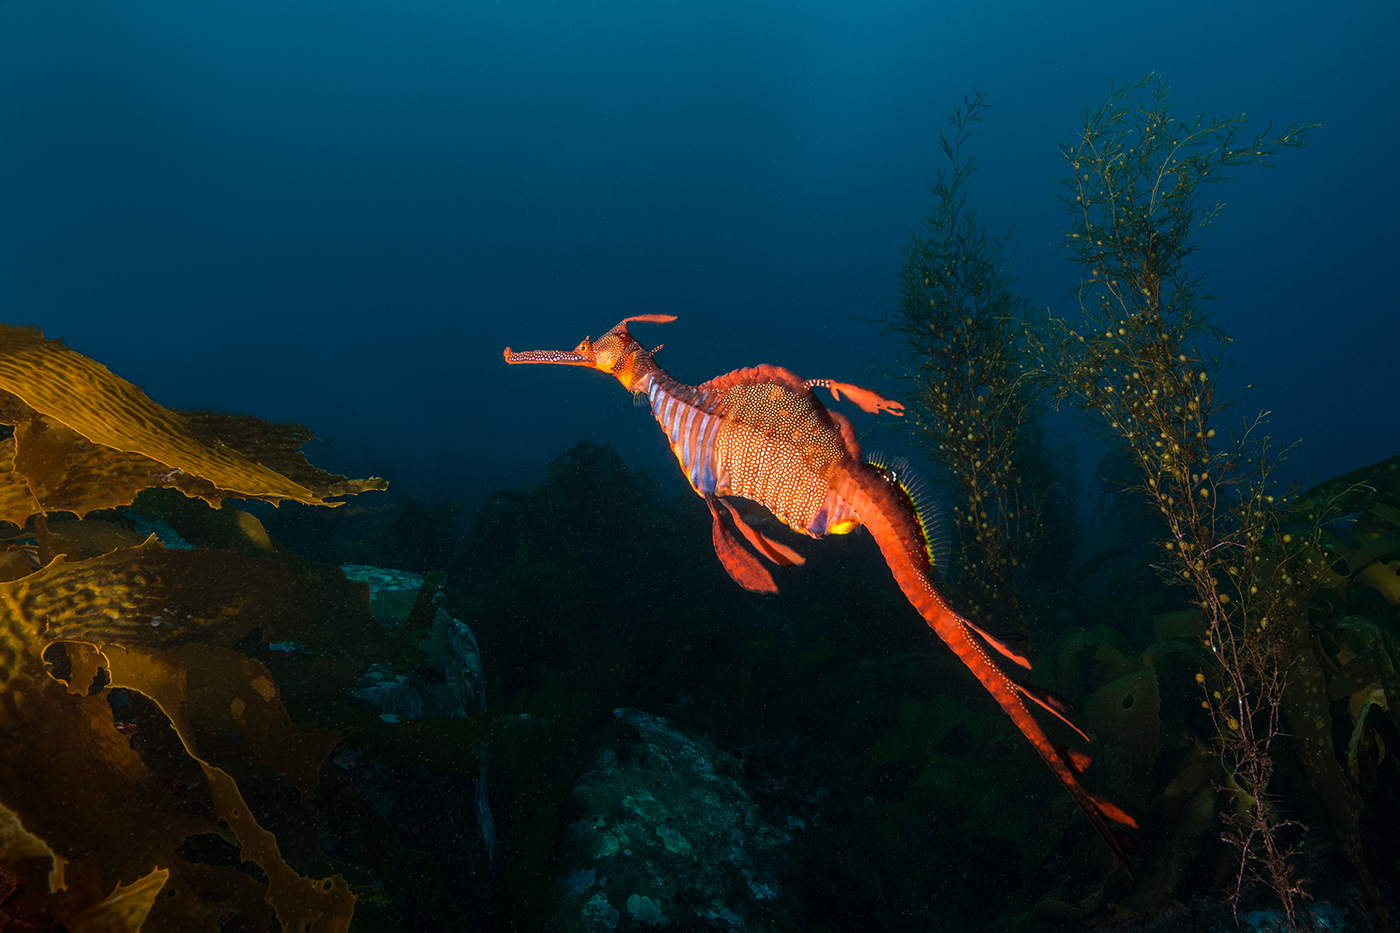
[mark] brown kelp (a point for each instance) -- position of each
(99, 814)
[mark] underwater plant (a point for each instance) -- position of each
(960, 327)
(1340, 704)
(1141, 363)
(147, 745)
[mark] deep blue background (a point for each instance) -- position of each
(338, 212)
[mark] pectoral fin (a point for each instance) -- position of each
(737, 560)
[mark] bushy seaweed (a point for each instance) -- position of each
(1142, 362)
(1261, 618)
(960, 322)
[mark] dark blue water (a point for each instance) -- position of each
(339, 213)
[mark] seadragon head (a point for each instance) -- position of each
(617, 352)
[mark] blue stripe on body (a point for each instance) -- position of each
(676, 419)
(686, 461)
(667, 419)
(703, 476)
(675, 422)
(694, 461)
(696, 464)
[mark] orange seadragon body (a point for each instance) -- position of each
(762, 434)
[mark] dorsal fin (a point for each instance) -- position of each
(937, 544)
(759, 375)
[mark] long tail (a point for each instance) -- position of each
(899, 538)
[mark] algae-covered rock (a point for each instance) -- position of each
(664, 836)
(449, 682)
(431, 842)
